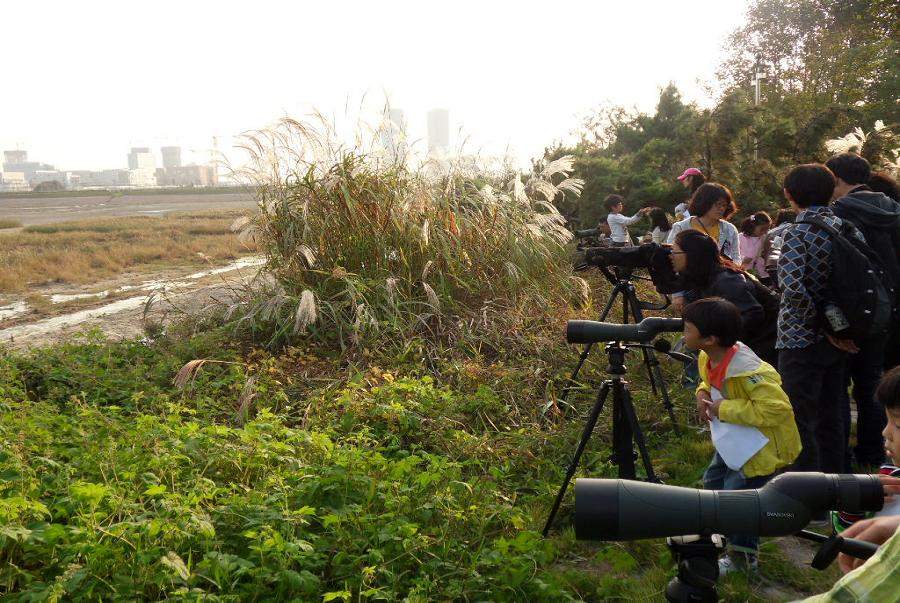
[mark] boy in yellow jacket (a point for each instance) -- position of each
(738, 389)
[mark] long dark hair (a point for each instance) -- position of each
(704, 260)
(659, 219)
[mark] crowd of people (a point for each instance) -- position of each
(788, 316)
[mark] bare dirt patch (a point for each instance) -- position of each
(132, 300)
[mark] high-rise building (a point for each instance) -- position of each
(171, 157)
(393, 134)
(15, 156)
(438, 130)
(140, 158)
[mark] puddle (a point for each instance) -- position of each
(57, 322)
(236, 265)
(13, 310)
(61, 297)
(49, 325)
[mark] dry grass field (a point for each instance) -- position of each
(86, 251)
(4, 224)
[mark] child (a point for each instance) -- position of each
(888, 395)
(617, 222)
(750, 241)
(736, 387)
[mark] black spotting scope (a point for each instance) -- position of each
(591, 331)
(617, 509)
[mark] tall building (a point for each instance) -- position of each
(393, 134)
(15, 156)
(438, 130)
(140, 158)
(171, 157)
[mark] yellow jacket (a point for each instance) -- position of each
(752, 395)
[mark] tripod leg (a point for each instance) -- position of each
(624, 397)
(654, 370)
(585, 436)
(622, 432)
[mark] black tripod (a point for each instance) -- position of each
(626, 429)
(632, 309)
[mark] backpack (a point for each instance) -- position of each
(858, 286)
(766, 297)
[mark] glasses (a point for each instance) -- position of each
(677, 252)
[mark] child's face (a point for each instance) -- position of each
(760, 230)
(693, 339)
(891, 434)
(617, 208)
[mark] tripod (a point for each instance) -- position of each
(632, 309)
(626, 429)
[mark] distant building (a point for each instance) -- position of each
(15, 156)
(171, 157)
(188, 175)
(393, 134)
(33, 172)
(13, 182)
(142, 177)
(98, 179)
(140, 158)
(438, 130)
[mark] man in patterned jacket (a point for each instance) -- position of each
(811, 362)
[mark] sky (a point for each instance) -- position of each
(87, 80)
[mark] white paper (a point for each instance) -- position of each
(736, 444)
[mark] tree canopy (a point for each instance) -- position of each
(830, 65)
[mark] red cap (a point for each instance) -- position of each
(690, 172)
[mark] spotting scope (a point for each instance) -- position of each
(617, 509)
(591, 331)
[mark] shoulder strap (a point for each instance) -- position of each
(820, 224)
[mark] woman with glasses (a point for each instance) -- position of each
(695, 256)
(710, 206)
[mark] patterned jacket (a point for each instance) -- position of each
(804, 269)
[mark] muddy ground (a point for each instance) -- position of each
(47, 210)
(121, 306)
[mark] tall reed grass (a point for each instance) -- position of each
(361, 246)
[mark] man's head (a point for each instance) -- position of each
(888, 394)
(614, 203)
(850, 170)
(808, 184)
(711, 323)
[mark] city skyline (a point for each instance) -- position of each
(513, 78)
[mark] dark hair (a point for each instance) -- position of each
(850, 167)
(882, 182)
(810, 184)
(703, 257)
(888, 392)
(708, 195)
(785, 215)
(659, 219)
(696, 180)
(612, 200)
(749, 224)
(715, 317)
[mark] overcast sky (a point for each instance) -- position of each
(86, 80)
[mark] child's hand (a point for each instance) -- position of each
(713, 408)
(703, 402)
(891, 487)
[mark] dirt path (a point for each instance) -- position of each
(120, 306)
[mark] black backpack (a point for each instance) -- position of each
(858, 286)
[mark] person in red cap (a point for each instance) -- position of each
(692, 178)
